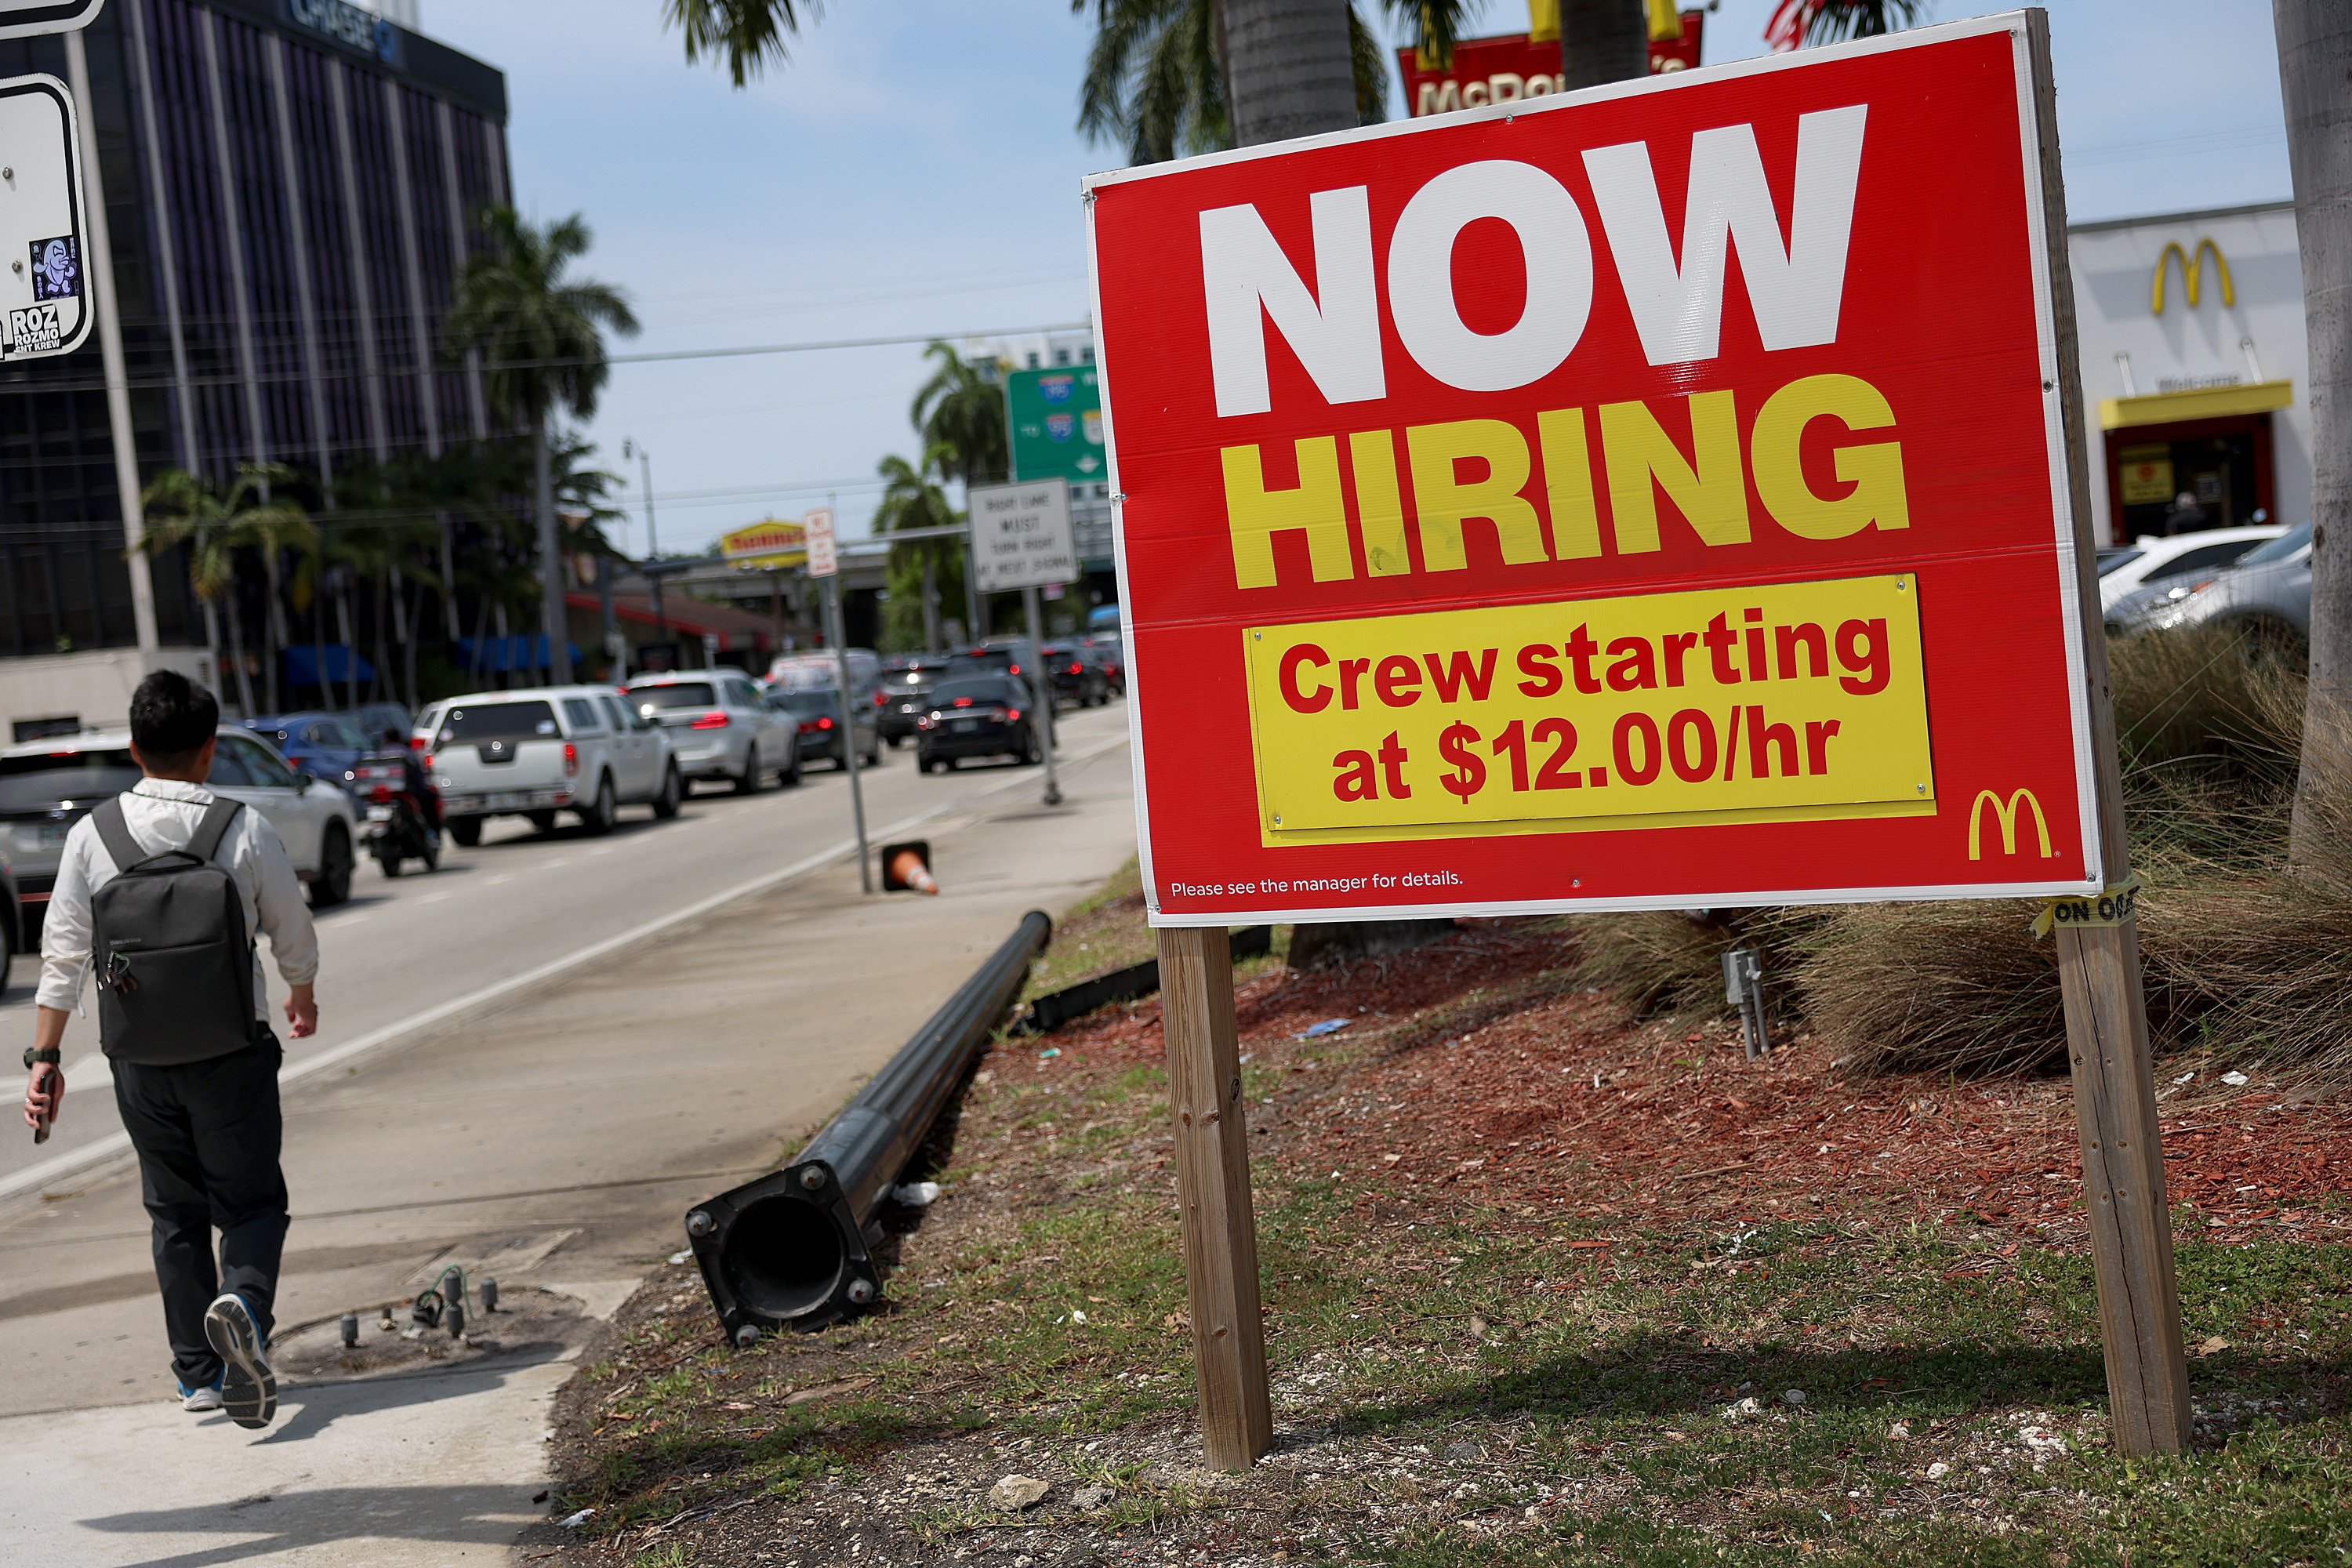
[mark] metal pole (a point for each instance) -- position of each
(975, 616)
(833, 629)
(554, 619)
(1044, 680)
(110, 348)
(653, 545)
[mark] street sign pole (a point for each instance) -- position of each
(825, 565)
(1045, 683)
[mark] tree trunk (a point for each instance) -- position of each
(1290, 68)
(552, 617)
(930, 605)
(211, 641)
(449, 578)
(273, 627)
(506, 647)
(402, 620)
(237, 653)
(349, 634)
(481, 634)
(2314, 45)
(319, 648)
(1603, 41)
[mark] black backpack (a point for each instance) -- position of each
(174, 961)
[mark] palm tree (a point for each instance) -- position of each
(2314, 50)
(912, 500)
(183, 508)
(540, 337)
(960, 415)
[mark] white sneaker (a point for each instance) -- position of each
(199, 1401)
(249, 1388)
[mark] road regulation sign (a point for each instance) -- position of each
(816, 527)
(1495, 545)
(45, 297)
(28, 18)
(1021, 535)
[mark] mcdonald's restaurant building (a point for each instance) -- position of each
(2191, 332)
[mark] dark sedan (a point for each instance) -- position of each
(977, 716)
(818, 714)
(904, 694)
(1078, 679)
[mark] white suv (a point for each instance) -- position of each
(536, 752)
(721, 725)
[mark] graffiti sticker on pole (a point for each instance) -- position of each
(43, 283)
(1652, 497)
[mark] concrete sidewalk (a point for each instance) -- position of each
(559, 1138)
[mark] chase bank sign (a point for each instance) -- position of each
(350, 26)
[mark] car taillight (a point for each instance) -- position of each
(428, 761)
(1012, 715)
(714, 720)
(416, 743)
(1016, 670)
(963, 702)
(881, 698)
(824, 723)
(381, 795)
(1078, 669)
(571, 759)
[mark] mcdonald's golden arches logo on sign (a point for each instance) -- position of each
(2193, 273)
(2004, 816)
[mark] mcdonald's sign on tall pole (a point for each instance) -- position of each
(1490, 544)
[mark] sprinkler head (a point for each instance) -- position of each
(490, 1294)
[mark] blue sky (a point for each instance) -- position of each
(914, 169)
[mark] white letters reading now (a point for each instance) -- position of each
(1676, 304)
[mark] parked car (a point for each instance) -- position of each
(977, 716)
(1078, 679)
(2267, 593)
(2127, 571)
(904, 695)
(325, 745)
(818, 714)
(534, 752)
(47, 786)
(720, 726)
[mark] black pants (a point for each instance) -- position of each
(207, 1135)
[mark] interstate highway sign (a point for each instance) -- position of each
(28, 18)
(44, 284)
(1021, 535)
(1054, 419)
(1656, 496)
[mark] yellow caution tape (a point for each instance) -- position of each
(2112, 908)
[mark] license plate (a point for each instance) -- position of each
(507, 802)
(963, 726)
(379, 814)
(52, 834)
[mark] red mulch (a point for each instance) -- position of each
(1435, 1091)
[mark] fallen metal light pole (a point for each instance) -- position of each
(789, 1250)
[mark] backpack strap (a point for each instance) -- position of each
(114, 832)
(213, 827)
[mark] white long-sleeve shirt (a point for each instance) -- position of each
(162, 814)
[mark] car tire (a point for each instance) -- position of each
(748, 781)
(791, 776)
(387, 861)
(950, 763)
(673, 791)
(466, 831)
(332, 885)
(604, 811)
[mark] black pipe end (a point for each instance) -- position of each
(782, 1252)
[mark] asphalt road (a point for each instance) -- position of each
(403, 952)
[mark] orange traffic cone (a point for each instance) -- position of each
(906, 868)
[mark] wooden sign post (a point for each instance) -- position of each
(1212, 1186)
(1490, 544)
(2098, 965)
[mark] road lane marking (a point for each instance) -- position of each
(115, 1144)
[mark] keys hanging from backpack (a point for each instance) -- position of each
(175, 959)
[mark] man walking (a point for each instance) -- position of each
(166, 886)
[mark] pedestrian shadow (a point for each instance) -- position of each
(488, 1516)
(318, 1405)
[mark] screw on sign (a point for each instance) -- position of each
(1481, 518)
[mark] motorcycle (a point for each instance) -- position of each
(400, 827)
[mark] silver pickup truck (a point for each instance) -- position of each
(533, 754)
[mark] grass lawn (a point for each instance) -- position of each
(1544, 1284)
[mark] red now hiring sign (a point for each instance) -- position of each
(1654, 496)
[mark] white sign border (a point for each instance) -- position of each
(77, 200)
(2029, 131)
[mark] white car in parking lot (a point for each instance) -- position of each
(721, 725)
(47, 785)
(535, 753)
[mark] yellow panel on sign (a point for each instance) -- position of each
(769, 545)
(1774, 702)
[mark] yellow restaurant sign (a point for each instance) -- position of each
(2193, 273)
(768, 545)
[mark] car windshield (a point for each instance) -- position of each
(2279, 549)
(676, 694)
(812, 701)
(971, 693)
(44, 782)
(803, 675)
(475, 721)
(2116, 559)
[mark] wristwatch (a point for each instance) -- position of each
(33, 1058)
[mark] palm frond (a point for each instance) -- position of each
(747, 35)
